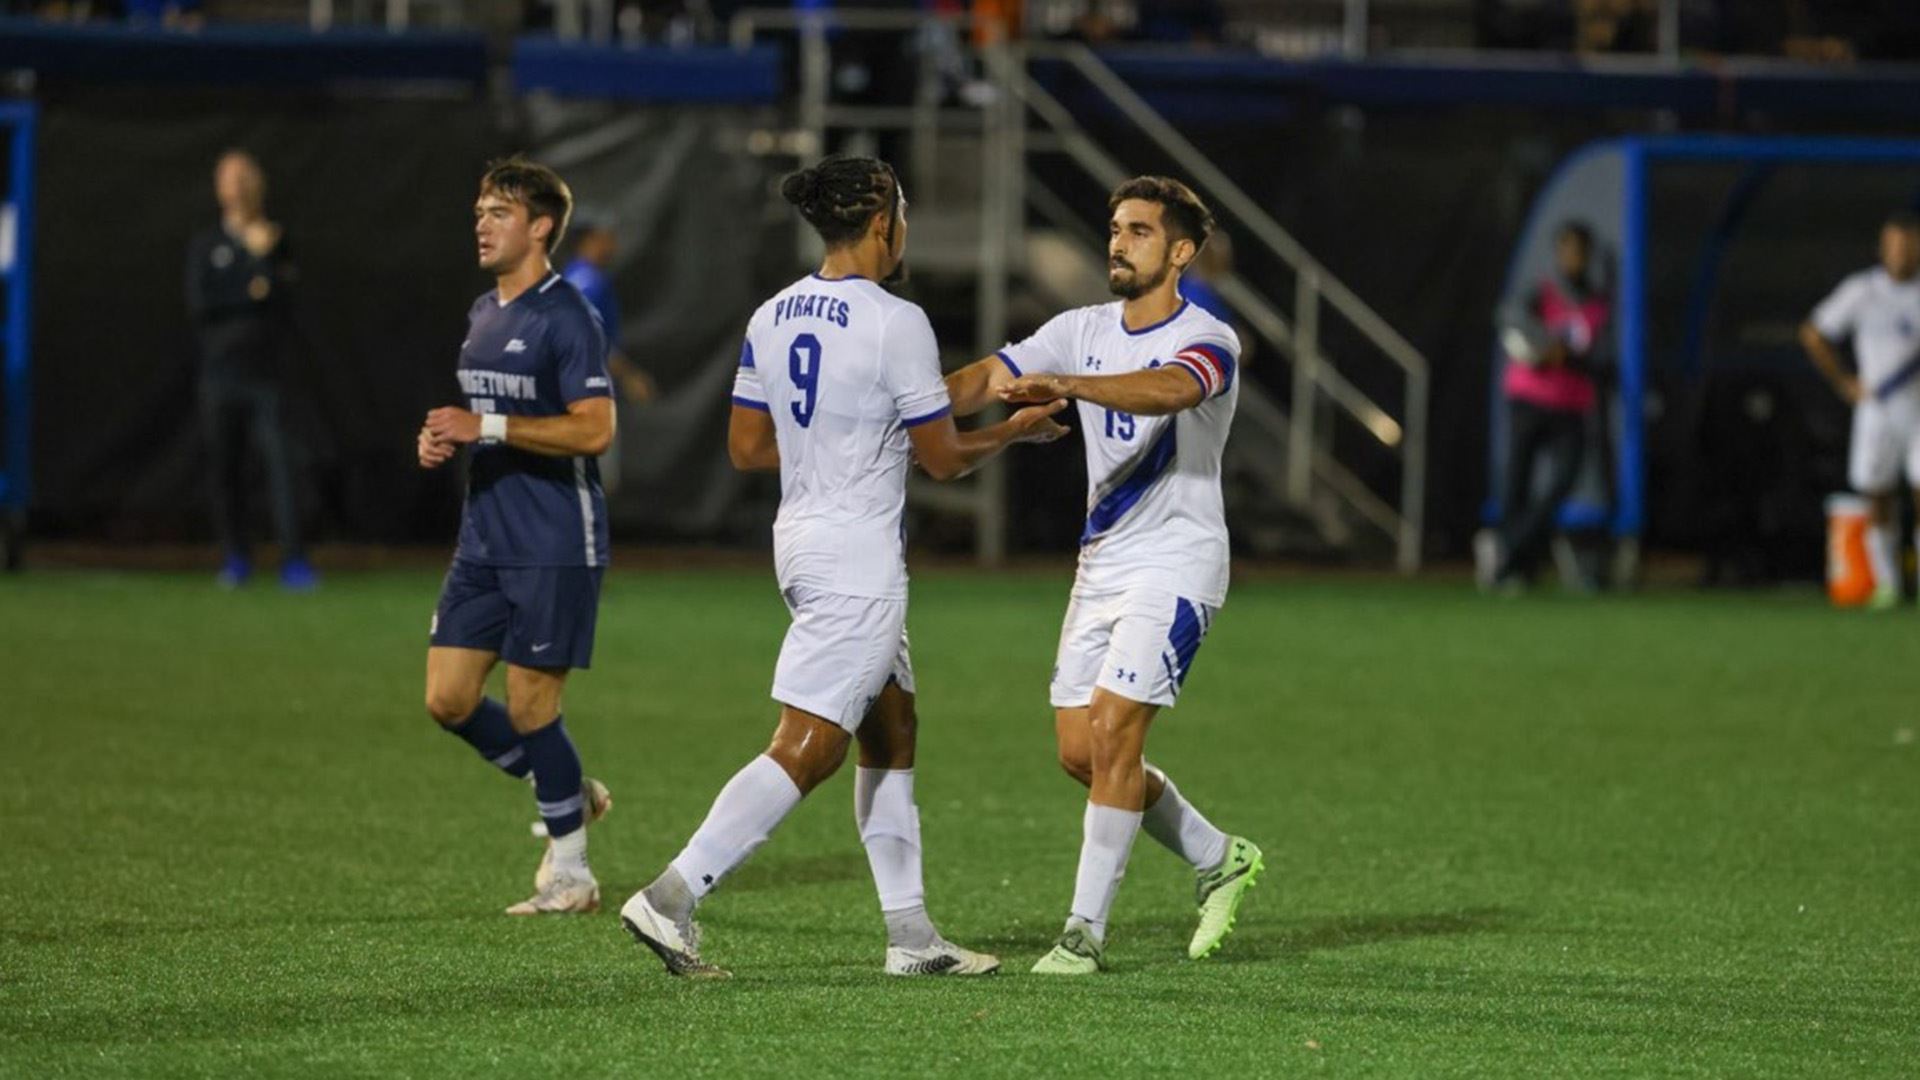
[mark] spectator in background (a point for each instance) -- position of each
(594, 247)
(238, 277)
(1556, 338)
(1215, 262)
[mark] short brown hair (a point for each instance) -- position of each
(535, 187)
(1182, 212)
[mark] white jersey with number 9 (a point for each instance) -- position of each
(844, 368)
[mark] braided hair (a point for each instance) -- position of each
(839, 195)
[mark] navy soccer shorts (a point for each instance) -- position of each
(533, 616)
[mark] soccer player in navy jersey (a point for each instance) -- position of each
(524, 586)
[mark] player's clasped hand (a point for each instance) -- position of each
(1033, 390)
(1036, 424)
(433, 452)
(452, 424)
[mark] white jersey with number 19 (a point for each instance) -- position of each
(844, 368)
(1154, 513)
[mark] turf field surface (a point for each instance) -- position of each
(1673, 834)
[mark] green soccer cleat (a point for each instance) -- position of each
(1077, 953)
(1218, 895)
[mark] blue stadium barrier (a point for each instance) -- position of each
(650, 74)
(241, 55)
(17, 121)
(1226, 86)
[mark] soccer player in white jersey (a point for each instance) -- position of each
(1879, 309)
(1154, 379)
(839, 385)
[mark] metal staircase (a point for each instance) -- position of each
(982, 208)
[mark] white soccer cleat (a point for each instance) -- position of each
(676, 944)
(943, 957)
(598, 801)
(565, 894)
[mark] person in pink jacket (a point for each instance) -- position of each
(1556, 338)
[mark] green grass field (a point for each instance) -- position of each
(1662, 835)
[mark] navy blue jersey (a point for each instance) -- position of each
(533, 357)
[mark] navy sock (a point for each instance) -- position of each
(556, 778)
(489, 731)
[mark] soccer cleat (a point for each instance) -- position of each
(1076, 953)
(1886, 597)
(1218, 895)
(943, 957)
(598, 801)
(677, 944)
(565, 894)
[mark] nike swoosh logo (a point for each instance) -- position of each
(543, 648)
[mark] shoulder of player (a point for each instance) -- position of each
(1201, 327)
(562, 303)
(890, 307)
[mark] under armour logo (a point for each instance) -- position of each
(1093, 363)
(1126, 676)
(707, 880)
(516, 345)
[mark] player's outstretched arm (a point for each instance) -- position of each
(947, 453)
(972, 387)
(1153, 392)
(1826, 358)
(750, 440)
(584, 430)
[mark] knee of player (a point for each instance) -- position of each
(449, 706)
(1077, 761)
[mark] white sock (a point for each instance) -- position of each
(1882, 553)
(570, 854)
(1108, 834)
(744, 814)
(890, 828)
(1182, 829)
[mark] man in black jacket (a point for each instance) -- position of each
(239, 275)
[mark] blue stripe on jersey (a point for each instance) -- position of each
(936, 414)
(1222, 357)
(1184, 636)
(1898, 379)
(1008, 360)
(746, 354)
(1121, 498)
(751, 404)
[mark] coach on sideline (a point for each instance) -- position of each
(238, 280)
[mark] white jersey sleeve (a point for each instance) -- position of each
(911, 367)
(1050, 351)
(747, 390)
(1211, 357)
(1839, 314)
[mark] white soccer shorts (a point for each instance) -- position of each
(839, 654)
(1139, 644)
(1886, 440)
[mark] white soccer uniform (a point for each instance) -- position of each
(1153, 555)
(844, 368)
(1882, 316)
